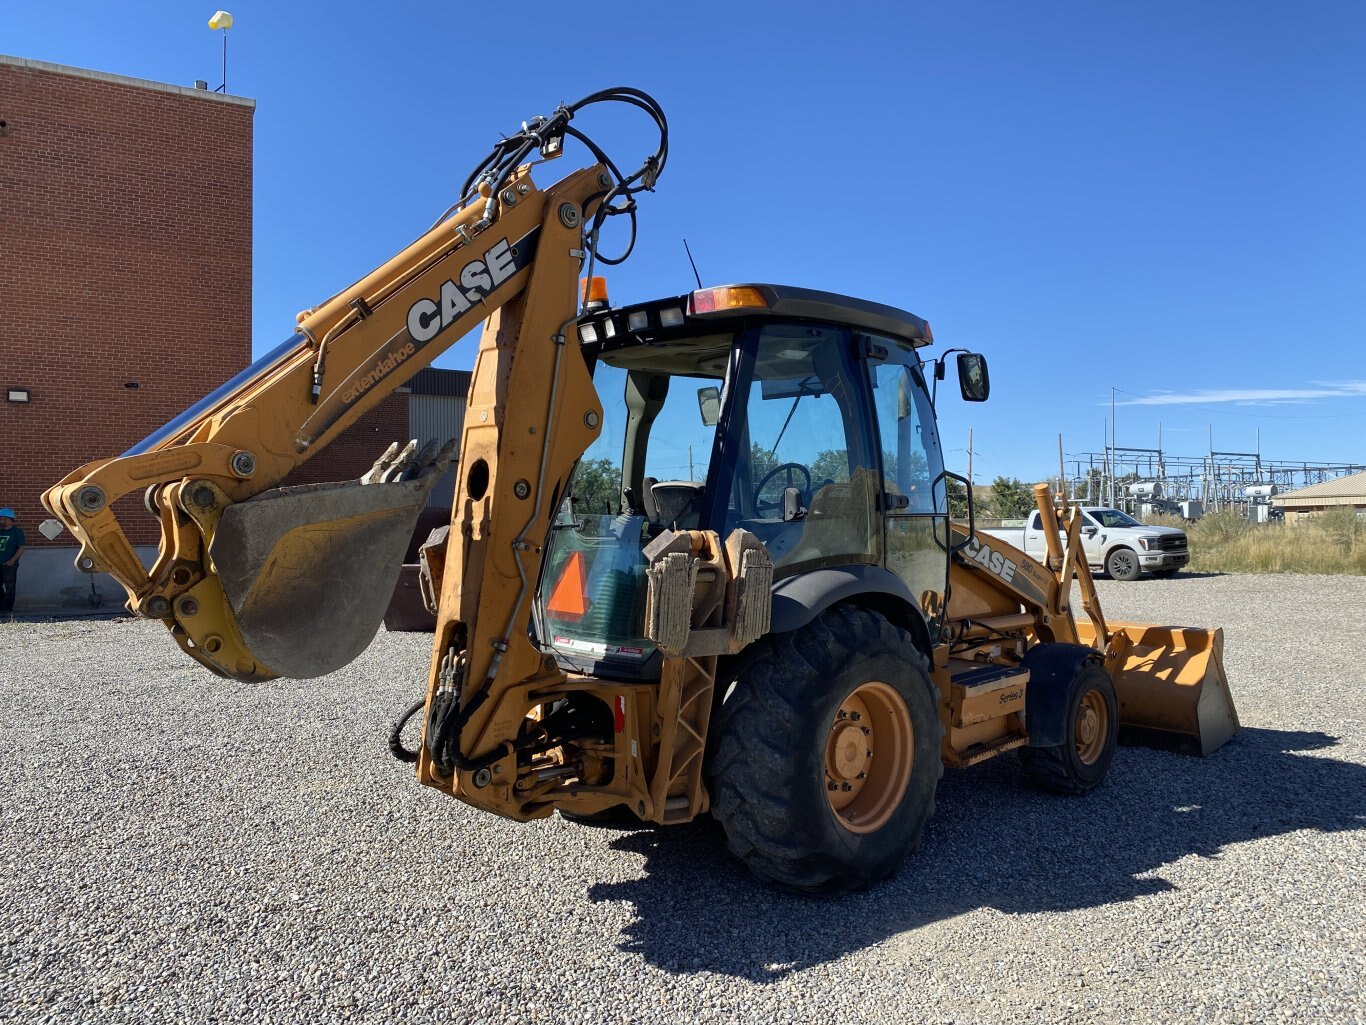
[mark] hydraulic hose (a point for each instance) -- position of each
(396, 747)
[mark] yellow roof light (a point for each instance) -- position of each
(594, 292)
(727, 297)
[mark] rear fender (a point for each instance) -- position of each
(799, 599)
(1051, 669)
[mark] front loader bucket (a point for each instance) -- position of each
(1171, 685)
(310, 570)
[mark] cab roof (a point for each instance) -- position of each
(702, 310)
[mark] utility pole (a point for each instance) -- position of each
(1062, 473)
(1109, 468)
(1114, 442)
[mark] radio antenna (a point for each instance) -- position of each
(693, 262)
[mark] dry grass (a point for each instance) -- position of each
(1224, 542)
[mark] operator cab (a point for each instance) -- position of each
(801, 416)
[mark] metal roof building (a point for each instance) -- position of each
(1341, 491)
(436, 410)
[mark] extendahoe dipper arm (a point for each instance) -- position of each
(256, 581)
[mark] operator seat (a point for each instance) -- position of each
(673, 504)
(842, 520)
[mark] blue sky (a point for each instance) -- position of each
(1164, 198)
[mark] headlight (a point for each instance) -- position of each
(1152, 544)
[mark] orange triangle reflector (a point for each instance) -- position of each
(569, 596)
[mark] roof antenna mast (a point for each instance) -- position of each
(222, 21)
(693, 262)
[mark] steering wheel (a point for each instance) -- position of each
(760, 506)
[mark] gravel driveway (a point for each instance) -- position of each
(179, 848)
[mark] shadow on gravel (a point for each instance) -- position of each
(1185, 574)
(995, 843)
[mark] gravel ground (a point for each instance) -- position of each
(181, 848)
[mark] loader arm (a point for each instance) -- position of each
(1170, 681)
(992, 578)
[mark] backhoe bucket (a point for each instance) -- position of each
(1171, 685)
(310, 570)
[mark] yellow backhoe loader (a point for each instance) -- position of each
(699, 558)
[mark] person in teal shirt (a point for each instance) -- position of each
(11, 547)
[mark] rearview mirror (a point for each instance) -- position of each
(972, 377)
(709, 402)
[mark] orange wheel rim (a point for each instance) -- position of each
(868, 757)
(1091, 727)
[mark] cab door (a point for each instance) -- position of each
(914, 511)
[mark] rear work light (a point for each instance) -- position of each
(729, 297)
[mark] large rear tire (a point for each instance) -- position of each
(825, 755)
(1081, 761)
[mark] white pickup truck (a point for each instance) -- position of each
(1114, 541)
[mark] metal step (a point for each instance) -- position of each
(982, 691)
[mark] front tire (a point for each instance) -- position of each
(1081, 761)
(826, 753)
(1123, 564)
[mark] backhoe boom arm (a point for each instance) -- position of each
(257, 580)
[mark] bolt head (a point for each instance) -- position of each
(482, 778)
(156, 606)
(591, 418)
(187, 606)
(569, 215)
(90, 499)
(243, 464)
(523, 188)
(521, 489)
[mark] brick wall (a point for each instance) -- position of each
(125, 259)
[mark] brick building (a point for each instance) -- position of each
(125, 277)
(126, 272)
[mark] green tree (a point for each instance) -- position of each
(831, 464)
(958, 499)
(1012, 497)
(761, 460)
(597, 487)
